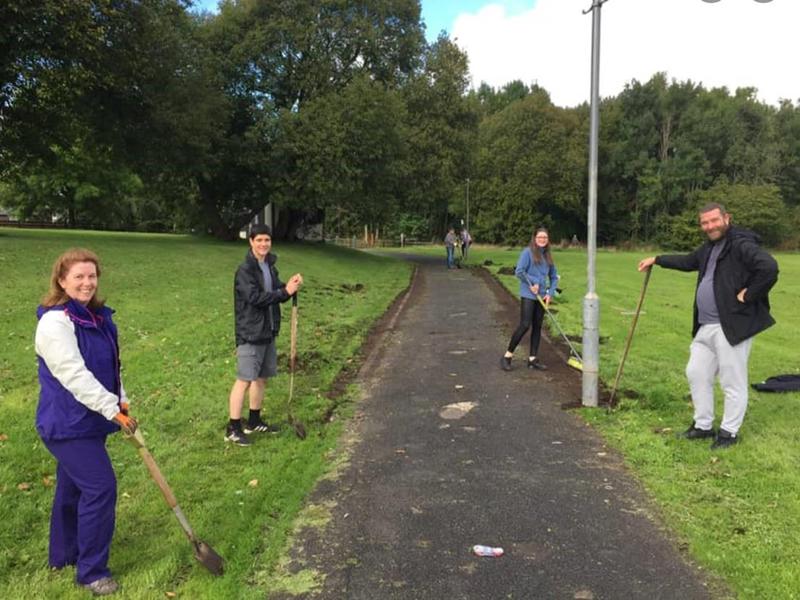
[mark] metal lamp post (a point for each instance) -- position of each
(591, 301)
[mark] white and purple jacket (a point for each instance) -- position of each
(79, 372)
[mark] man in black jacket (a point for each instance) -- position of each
(731, 306)
(257, 294)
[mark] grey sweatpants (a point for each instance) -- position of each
(711, 356)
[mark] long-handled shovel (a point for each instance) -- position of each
(202, 551)
(630, 337)
(299, 428)
(575, 361)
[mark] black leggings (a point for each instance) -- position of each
(531, 315)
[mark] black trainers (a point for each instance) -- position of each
(724, 439)
(693, 433)
(537, 364)
(236, 436)
(260, 427)
(505, 363)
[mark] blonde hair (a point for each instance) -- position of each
(56, 294)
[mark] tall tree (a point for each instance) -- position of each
(442, 127)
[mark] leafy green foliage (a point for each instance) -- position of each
(529, 172)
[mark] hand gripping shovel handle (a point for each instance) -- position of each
(630, 336)
(202, 551)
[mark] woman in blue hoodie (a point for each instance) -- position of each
(81, 401)
(537, 279)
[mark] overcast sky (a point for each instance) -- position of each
(730, 43)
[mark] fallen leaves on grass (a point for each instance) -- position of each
(24, 486)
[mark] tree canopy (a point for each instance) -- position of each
(142, 114)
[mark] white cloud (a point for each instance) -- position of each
(732, 43)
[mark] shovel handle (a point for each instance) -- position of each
(293, 342)
(630, 336)
(155, 473)
(137, 439)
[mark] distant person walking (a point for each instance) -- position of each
(450, 246)
(537, 279)
(731, 306)
(81, 402)
(257, 294)
(466, 242)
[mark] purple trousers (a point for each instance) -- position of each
(82, 521)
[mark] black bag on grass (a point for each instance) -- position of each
(779, 383)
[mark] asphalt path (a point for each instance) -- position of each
(447, 451)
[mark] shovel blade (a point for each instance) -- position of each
(575, 363)
(299, 430)
(207, 557)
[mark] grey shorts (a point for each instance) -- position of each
(256, 361)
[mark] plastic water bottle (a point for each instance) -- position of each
(487, 550)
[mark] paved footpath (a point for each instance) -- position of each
(449, 451)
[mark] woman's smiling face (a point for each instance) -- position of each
(80, 282)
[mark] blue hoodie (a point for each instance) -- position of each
(59, 415)
(530, 273)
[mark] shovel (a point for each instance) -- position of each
(630, 338)
(202, 551)
(299, 428)
(575, 361)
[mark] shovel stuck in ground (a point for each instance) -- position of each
(202, 552)
(299, 428)
(630, 337)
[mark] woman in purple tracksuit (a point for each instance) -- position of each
(81, 401)
(537, 280)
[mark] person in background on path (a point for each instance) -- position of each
(466, 241)
(257, 294)
(450, 246)
(734, 276)
(81, 401)
(537, 279)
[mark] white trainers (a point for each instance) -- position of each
(104, 586)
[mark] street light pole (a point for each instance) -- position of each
(591, 301)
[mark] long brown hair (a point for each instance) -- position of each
(537, 254)
(56, 294)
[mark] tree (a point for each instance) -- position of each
(530, 168)
(343, 153)
(442, 127)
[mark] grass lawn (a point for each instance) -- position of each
(173, 297)
(737, 511)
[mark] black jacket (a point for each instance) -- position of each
(255, 323)
(741, 264)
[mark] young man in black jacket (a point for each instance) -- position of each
(731, 306)
(257, 294)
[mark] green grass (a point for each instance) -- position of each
(737, 511)
(173, 297)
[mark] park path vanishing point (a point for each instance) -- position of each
(447, 451)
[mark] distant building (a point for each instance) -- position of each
(266, 216)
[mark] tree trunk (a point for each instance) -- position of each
(212, 220)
